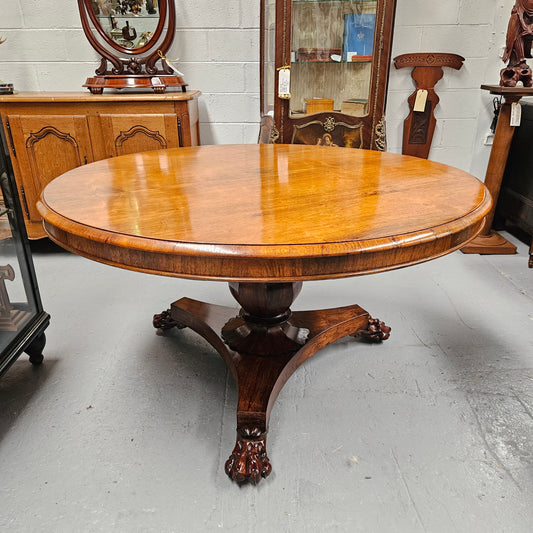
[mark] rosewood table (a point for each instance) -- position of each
(264, 218)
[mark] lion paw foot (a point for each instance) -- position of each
(165, 321)
(376, 331)
(249, 460)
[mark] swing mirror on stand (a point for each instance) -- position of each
(132, 36)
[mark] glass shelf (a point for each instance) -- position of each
(321, 61)
(334, 1)
(131, 16)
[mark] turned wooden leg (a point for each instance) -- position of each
(263, 346)
(263, 326)
(35, 349)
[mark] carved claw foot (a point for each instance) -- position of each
(249, 460)
(376, 331)
(164, 321)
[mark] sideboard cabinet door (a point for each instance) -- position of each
(44, 148)
(129, 134)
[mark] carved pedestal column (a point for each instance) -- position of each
(489, 241)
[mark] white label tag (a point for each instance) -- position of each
(516, 114)
(420, 101)
(284, 83)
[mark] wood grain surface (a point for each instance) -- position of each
(263, 212)
(85, 96)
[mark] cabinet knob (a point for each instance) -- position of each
(85, 159)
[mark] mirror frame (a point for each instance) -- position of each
(132, 68)
(123, 49)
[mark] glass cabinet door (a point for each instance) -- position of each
(331, 56)
(17, 301)
(22, 319)
(336, 54)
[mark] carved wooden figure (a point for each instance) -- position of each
(419, 126)
(518, 45)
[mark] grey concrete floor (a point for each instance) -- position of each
(125, 430)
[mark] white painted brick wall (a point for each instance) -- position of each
(218, 47)
(475, 30)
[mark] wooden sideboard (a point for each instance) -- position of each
(49, 133)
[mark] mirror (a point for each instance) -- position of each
(126, 23)
(132, 36)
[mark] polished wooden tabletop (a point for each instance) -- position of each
(263, 212)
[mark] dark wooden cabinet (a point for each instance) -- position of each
(51, 133)
(337, 54)
(22, 318)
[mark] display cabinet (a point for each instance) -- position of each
(324, 70)
(22, 319)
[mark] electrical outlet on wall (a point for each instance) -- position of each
(489, 138)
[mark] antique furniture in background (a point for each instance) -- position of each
(518, 46)
(49, 133)
(419, 126)
(22, 319)
(515, 203)
(132, 37)
(490, 241)
(265, 218)
(337, 55)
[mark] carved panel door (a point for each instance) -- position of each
(44, 148)
(133, 133)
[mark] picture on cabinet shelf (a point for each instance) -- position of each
(358, 36)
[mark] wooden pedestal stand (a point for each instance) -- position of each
(489, 241)
(419, 126)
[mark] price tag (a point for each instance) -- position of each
(420, 100)
(516, 114)
(284, 83)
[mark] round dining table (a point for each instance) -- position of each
(264, 218)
